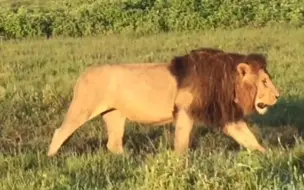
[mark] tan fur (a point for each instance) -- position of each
(240, 132)
(151, 94)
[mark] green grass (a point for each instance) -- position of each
(36, 79)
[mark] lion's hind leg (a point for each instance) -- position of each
(115, 122)
(78, 113)
(242, 134)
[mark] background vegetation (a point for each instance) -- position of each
(36, 79)
(31, 18)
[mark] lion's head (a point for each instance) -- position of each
(226, 86)
(255, 89)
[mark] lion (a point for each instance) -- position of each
(206, 85)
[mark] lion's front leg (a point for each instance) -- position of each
(183, 127)
(240, 132)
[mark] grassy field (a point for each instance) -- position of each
(36, 79)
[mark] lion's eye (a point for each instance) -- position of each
(264, 82)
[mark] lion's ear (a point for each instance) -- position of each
(243, 69)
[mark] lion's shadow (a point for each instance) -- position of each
(288, 112)
(137, 140)
(284, 120)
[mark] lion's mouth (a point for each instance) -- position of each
(262, 105)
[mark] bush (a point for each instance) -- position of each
(83, 18)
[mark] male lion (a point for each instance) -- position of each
(206, 85)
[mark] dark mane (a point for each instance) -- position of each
(211, 75)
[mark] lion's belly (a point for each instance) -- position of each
(146, 96)
(151, 116)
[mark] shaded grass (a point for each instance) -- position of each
(36, 79)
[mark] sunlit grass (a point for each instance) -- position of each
(36, 80)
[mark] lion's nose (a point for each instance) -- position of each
(277, 93)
